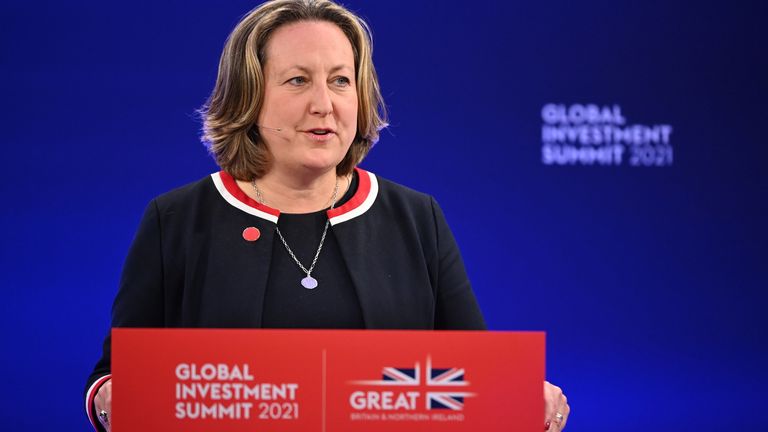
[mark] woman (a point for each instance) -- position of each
(290, 233)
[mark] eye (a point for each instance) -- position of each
(297, 81)
(342, 81)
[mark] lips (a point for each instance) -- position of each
(320, 131)
(320, 134)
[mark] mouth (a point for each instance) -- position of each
(320, 135)
(320, 131)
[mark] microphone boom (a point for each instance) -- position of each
(271, 128)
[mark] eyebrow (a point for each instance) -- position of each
(307, 71)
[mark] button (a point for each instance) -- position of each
(251, 234)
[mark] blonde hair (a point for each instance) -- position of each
(231, 112)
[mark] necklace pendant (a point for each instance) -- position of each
(309, 282)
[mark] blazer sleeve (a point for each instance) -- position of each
(456, 307)
(139, 300)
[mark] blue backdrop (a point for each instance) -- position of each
(636, 238)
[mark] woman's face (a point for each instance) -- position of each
(309, 94)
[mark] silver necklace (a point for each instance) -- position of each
(308, 282)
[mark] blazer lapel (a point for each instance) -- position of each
(233, 273)
(355, 246)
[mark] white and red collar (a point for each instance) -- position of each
(361, 201)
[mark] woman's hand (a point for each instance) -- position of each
(103, 402)
(556, 407)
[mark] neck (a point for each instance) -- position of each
(295, 194)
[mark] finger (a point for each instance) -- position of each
(566, 412)
(103, 416)
(556, 402)
(103, 398)
(549, 407)
(559, 421)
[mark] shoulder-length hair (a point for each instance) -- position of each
(231, 112)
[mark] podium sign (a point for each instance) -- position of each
(326, 380)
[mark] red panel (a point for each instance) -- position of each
(326, 380)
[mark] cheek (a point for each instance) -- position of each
(279, 108)
(349, 101)
(349, 114)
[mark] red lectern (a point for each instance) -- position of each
(326, 380)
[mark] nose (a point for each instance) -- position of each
(320, 102)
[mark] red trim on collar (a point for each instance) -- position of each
(363, 189)
(231, 184)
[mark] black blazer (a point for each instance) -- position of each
(189, 265)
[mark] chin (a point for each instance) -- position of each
(320, 166)
(322, 162)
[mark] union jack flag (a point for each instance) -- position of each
(434, 377)
(401, 376)
(453, 377)
(391, 376)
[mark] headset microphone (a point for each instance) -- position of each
(270, 128)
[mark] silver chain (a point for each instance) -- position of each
(260, 198)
